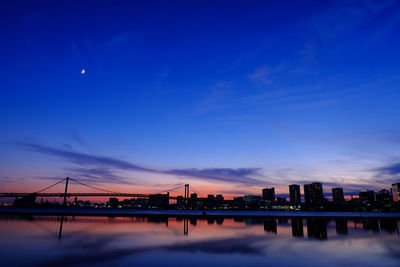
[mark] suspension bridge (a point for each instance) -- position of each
(70, 187)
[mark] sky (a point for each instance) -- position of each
(227, 96)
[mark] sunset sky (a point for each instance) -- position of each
(228, 96)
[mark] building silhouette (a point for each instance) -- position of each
(367, 196)
(294, 191)
(159, 201)
(384, 199)
(193, 203)
(210, 201)
(268, 194)
(26, 201)
(313, 194)
(396, 192)
(281, 201)
(337, 195)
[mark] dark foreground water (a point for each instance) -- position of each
(162, 241)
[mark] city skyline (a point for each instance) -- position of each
(199, 133)
(312, 192)
(224, 96)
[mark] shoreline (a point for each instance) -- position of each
(197, 213)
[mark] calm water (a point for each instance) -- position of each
(151, 241)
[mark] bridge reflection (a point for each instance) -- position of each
(312, 228)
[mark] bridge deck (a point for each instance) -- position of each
(78, 195)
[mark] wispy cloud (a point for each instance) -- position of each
(103, 175)
(5, 180)
(244, 244)
(392, 169)
(239, 175)
(76, 136)
(101, 167)
(261, 75)
(82, 158)
(387, 174)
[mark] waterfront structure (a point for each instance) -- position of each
(384, 200)
(294, 191)
(159, 201)
(337, 195)
(396, 192)
(307, 194)
(268, 194)
(367, 196)
(313, 194)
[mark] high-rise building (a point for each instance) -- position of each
(307, 193)
(160, 201)
(219, 198)
(337, 195)
(383, 198)
(396, 192)
(193, 201)
(268, 194)
(294, 191)
(313, 194)
(367, 196)
(281, 200)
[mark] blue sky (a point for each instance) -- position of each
(229, 96)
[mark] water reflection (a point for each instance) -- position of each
(297, 227)
(341, 226)
(270, 226)
(174, 240)
(316, 228)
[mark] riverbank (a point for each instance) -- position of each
(211, 213)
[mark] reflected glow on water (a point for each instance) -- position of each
(151, 241)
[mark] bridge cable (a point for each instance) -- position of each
(93, 187)
(172, 189)
(51, 186)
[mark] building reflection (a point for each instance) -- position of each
(389, 226)
(371, 225)
(186, 226)
(193, 221)
(297, 227)
(316, 228)
(60, 226)
(270, 226)
(398, 227)
(341, 226)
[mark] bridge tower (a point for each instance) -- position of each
(66, 191)
(187, 191)
(186, 195)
